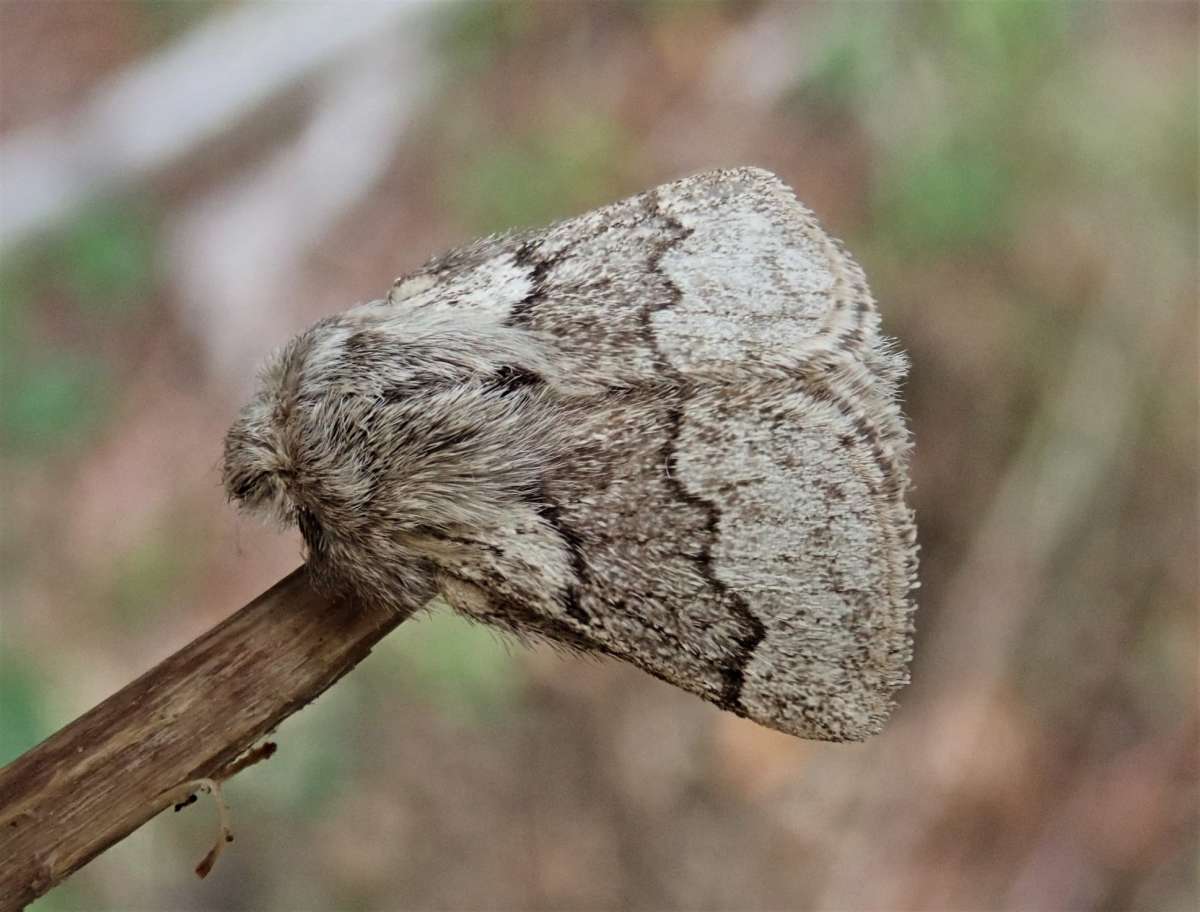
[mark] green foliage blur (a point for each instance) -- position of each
(93, 279)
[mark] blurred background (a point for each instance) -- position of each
(184, 185)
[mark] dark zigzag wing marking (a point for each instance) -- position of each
(576, 549)
(753, 631)
(530, 254)
(542, 309)
(814, 536)
(750, 629)
(527, 255)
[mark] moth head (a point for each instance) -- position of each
(258, 468)
(369, 426)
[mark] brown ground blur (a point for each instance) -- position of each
(1019, 181)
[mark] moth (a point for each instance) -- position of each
(666, 431)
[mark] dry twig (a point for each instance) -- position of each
(191, 718)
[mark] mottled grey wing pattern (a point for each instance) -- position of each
(728, 509)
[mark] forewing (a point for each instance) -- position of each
(729, 515)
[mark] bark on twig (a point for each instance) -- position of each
(191, 717)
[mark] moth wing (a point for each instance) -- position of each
(733, 521)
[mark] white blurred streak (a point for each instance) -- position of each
(155, 112)
(765, 58)
(236, 255)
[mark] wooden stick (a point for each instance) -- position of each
(191, 717)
